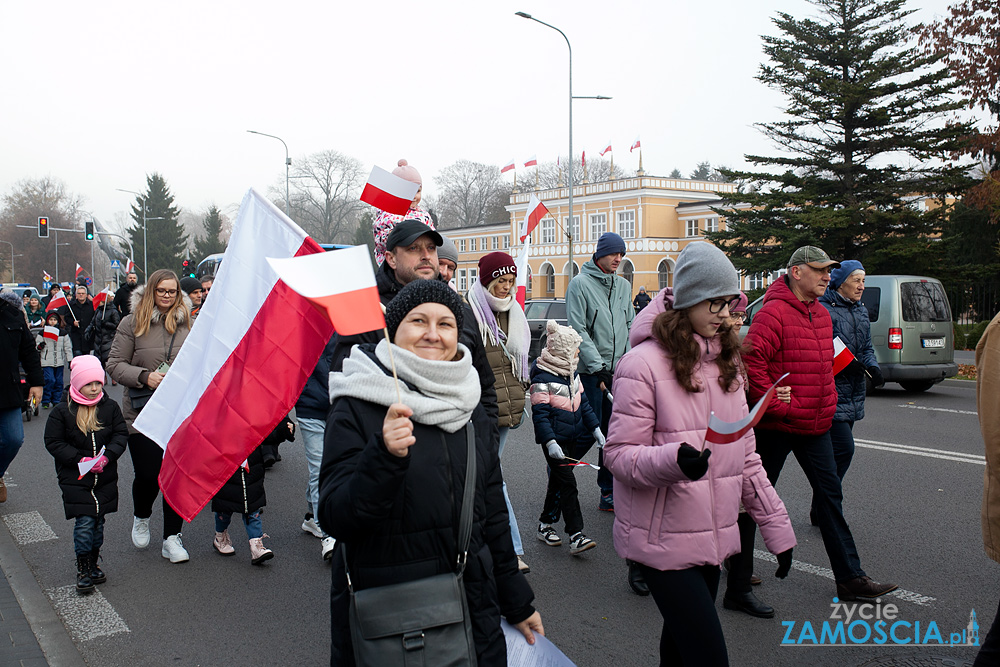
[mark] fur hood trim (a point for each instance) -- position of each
(136, 297)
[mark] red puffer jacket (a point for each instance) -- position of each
(789, 336)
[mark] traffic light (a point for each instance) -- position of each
(89, 230)
(187, 270)
(43, 227)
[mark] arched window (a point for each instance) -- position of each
(627, 271)
(665, 271)
(528, 287)
(550, 278)
(576, 269)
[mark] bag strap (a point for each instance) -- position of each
(170, 350)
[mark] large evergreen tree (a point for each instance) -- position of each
(868, 127)
(212, 242)
(165, 242)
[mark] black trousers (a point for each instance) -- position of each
(561, 494)
(692, 634)
(989, 653)
(146, 459)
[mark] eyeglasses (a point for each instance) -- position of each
(172, 292)
(741, 316)
(715, 306)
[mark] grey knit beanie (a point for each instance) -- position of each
(448, 250)
(703, 272)
(416, 293)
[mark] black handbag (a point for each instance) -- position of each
(139, 397)
(421, 623)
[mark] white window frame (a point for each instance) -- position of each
(691, 227)
(550, 279)
(757, 280)
(548, 227)
(461, 245)
(506, 242)
(576, 227)
(473, 276)
(598, 221)
(461, 281)
(626, 224)
(495, 243)
(712, 224)
(473, 244)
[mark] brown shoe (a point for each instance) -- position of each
(863, 588)
(3, 491)
(755, 580)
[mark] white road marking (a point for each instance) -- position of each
(942, 454)
(28, 527)
(7, 481)
(809, 568)
(924, 407)
(86, 616)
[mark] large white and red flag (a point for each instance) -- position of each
(723, 432)
(58, 301)
(842, 357)
(607, 149)
(243, 365)
(536, 211)
(635, 144)
(521, 262)
(101, 297)
(507, 167)
(79, 270)
(532, 162)
(388, 192)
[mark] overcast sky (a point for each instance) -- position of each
(101, 94)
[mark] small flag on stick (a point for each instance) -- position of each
(51, 333)
(842, 357)
(101, 297)
(58, 301)
(723, 433)
(389, 192)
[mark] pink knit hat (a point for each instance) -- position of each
(407, 172)
(82, 371)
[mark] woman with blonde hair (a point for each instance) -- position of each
(146, 343)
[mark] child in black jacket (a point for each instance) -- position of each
(88, 428)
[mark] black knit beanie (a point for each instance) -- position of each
(416, 293)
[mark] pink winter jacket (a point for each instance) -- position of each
(663, 519)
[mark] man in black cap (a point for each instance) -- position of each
(192, 287)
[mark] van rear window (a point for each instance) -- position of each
(557, 311)
(924, 302)
(535, 310)
(872, 297)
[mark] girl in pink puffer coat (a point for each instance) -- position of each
(676, 497)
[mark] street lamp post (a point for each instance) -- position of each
(145, 268)
(288, 163)
(11, 260)
(57, 252)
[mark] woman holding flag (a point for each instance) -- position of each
(677, 495)
(100, 333)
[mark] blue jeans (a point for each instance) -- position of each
(11, 436)
(601, 406)
(515, 534)
(312, 431)
(52, 391)
(251, 521)
(88, 534)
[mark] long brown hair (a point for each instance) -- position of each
(673, 330)
(143, 314)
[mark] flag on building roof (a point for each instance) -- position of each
(536, 211)
(101, 297)
(722, 432)
(635, 144)
(388, 192)
(507, 167)
(583, 158)
(842, 357)
(607, 149)
(532, 162)
(243, 365)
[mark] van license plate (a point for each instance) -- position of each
(932, 342)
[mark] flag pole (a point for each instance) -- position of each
(392, 362)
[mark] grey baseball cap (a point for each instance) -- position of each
(813, 256)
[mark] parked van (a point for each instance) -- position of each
(912, 329)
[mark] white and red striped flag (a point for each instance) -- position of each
(536, 211)
(635, 145)
(521, 282)
(58, 301)
(386, 191)
(243, 365)
(52, 333)
(79, 270)
(341, 283)
(842, 357)
(507, 167)
(723, 432)
(532, 162)
(607, 149)
(101, 297)
(130, 267)
(583, 158)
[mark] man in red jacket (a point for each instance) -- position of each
(792, 333)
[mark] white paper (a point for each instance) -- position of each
(85, 466)
(522, 654)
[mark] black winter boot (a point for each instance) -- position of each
(97, 575)
(84, 584)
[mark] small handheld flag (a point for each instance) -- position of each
(722, 432)
(842, 357)
(51, 333)
(389, 192)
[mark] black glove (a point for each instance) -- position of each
(693, 463)
(855, 368)
(605, 376)
(41, 346)
(784, 564)
(875, 372)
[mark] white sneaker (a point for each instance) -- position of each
(140, 532)
(328, 544)
(174, 549)
(310, 526)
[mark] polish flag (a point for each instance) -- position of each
(635, 145)
(101, 297)
(536, 211)
(532, 162)
(341, 284)
(79, 270)
(583, 158)
(842, 357)
(607, 149)
(388, 192)
(521, 282)
(723, 433)
(52, 333)
(130, 267)
(507, 167)
(58, 301)
(243, 365)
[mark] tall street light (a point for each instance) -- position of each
(145, 268)
(11, 260)
(288, 163)
(569, 230)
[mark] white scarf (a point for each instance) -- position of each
(516, 340)
(440, 393)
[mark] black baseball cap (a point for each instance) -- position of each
(409, 231)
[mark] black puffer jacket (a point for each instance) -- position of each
(16, 345)
(101, 331)
(243, 493)
(97, 493)
(398, 518)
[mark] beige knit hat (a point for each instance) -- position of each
(561, 342)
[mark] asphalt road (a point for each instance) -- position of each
(914, 513)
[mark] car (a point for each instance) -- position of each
(538, 312)
(911, 327)
(21, 289)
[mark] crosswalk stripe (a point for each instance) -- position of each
(28, 527)
(942, 454)
(86, 616)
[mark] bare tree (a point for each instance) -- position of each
(324, 194)
(470, 193)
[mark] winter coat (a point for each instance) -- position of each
(558, 412)
(243, 493)
(988, 407)
(54, 353)
(640, 301)
(132, 359)
(314, 401)
(97, 493)
(17, 345)
(82, 313)
(851, 324)
(36, 318)
(123, 298)
(398, 518)
(100, 333)
(509, 388)
(599, 307)
(789, 336)
(662, 518)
